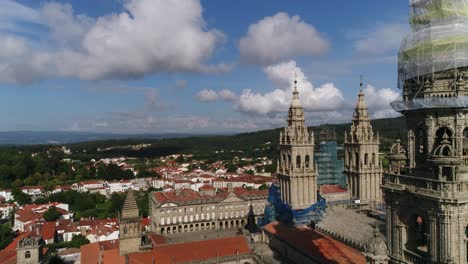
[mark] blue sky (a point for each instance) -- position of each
(156, 66)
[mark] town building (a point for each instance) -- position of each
(186, 210)
(362, 164)
(297, 177)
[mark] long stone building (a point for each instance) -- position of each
(362, 163)
(297, 177)
(186, 210)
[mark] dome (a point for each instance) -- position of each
(376, 244)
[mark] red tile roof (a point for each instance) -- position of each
(329, 188)
(189, 195)
(110, 252)
(193, 251)
(317, 245)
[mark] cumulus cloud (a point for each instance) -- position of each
(324, 98)
(381, 39)
(378, 101)
(150, 36)
(324, 104)
(227, 95)
(207, 95)
(280, 37)
(210, 95)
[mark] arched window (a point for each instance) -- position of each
(289, 160)
(284, 159)
(307, 161)
(418, 234)
(465, 142)
(466, 239)
(298, 161)
(125, 230)
(366, 159)
(27, 254)
(356, 155)
(373, 161)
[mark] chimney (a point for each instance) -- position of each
(229, 187)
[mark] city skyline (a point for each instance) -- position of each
(234, 75)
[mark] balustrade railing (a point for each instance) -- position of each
(413, 257)
(412, 183)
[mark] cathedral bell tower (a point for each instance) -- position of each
(129, 226)
(296, 168)
(362, 164)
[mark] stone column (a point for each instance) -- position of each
(389, 227)
(433, 239)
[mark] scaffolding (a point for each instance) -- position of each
(438, 40)
(277, 210)
(329, 167)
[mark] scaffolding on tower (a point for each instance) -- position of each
(436, 47)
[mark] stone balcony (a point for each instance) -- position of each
(426, 187)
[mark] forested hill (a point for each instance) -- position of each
(389, 129)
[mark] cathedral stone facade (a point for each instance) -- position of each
(362, 164)
(427, 202)
(297, 177)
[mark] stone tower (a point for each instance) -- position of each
(129, 226)
(427, 200)
(296, 168)
(362, 163)
(29, 250)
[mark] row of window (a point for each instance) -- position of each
(207, 208)
(191, 218)
(287, 160)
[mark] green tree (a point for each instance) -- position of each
(6, 235)
(54, 259)
(251, 172)
(51, 214)
(263, 187)
(78, 241)
(20, 197)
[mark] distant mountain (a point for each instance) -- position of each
(389, 129)
(65, 137)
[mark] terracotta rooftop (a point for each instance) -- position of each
(191, 196)
(90, 253)
(315, 244)
(330, 188)
(193, 251)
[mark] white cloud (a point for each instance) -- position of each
(280, 37)
(324, 98)
(227, 95)
(381, 39)
(207, 95)
(324, 104)
(65, 28)
(12, 47)
(150, 36)
(378, 101)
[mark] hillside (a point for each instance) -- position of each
(227, 146)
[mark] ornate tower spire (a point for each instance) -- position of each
(296, 112)
(296, 172)
(362, 164)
